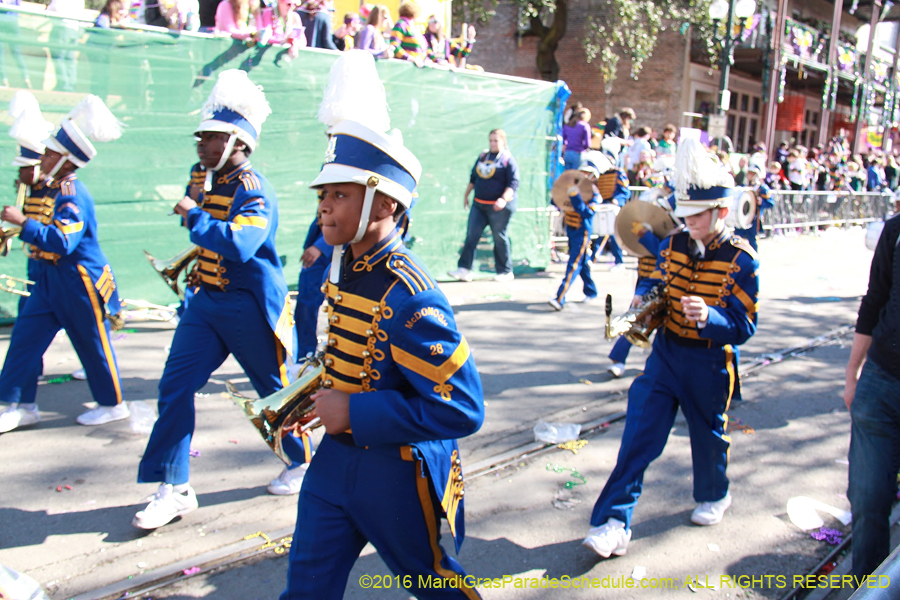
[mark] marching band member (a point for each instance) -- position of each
(764, 202)
(74, 285)
(400, 381)
(242, 306)
(620, 195)
(711, 279)
(579, 226)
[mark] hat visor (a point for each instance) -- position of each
(21, 161)
(229, 128)
(694, 208)
(55, 146)
(333, 173)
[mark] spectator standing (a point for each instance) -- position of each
(9, 25)
(443, 50)
(371, 38)
(113, 12)
(639, 143)
(576, 138)
(890, 172)
(65, 33)
(667, 144)
(316, 18)
(619, 125)
(343, 35)
(494, 179)
(407, 42)
(237, 17)
(741, 176)
(875, 175)
(872, 395)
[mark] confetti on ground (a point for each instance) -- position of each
(191, 571)
(713, 547)
(639, 573)
(194, 453)
(61, 379)
(586, 381)
(67, 486)
(573, 445)
(738, 425)
(141, 565)
(59, 488)
(827, 535)
(569, 484)
(232, 441)
(120, 336)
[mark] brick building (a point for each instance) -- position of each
(678, 78)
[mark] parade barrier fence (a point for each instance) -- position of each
(155, 81)
(803, 211)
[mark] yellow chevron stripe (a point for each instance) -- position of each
(437, 374)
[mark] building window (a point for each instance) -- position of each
(743, 121)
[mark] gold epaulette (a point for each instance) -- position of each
(742, 244)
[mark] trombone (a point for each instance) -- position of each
(170, 270)
(9, 285)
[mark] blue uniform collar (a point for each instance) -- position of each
(231, 176)
(720, 239)
(377, 253)
(58, 182)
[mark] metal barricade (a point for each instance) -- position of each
(807, 210)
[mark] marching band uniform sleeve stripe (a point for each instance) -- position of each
(444, 400)
(229, 237)
(61, 236)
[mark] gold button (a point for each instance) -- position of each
(691, 287)
(338, 298)
(327, 329)
(332, 342)
(366, 354)
(369, 332)
(327, 383)
(363, 374)
(457, 462)
(323, 288)
(376, 309)
(461, 493)
(334, 318)
(459, 478)
(324, 308)
(329, 362)
(696, 276)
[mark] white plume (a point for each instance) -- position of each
(31, 127)
(355, 93)
(235, 91)
(696, 166)
(23, 101)
(95, 120)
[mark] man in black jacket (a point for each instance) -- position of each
(872, 394)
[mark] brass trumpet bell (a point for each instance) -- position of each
(170, 270)
(6, 238)
(284, 411)
(638, 324)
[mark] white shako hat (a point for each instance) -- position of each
(360, 149)
(701, 182)
(29, 129)
(235, 106)
(89, 121)
(595, 163)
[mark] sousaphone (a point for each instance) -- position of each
(559, 193)
(638, 211)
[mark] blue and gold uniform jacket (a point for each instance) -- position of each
(725, 277)
(234, 225)
(394, 347)
(581, 218)
(61, 230)
(613, 187)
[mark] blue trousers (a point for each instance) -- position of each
(352, 496)
(701, 382)
(874, 462)
(309, 301)
(214, 325)
(481, 216)
(613, 249)
(579, 265)
(620, 350)
(28, 394)
(61, 298)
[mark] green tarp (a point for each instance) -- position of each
(156, 83)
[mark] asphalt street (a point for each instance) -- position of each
(69, 492)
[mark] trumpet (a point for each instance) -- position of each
(8, 233)
(639, 322)
(9, 285)
(170, 270)
(288, 409)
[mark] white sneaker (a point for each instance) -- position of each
(555, 304)
(17, 416)
(165, 506)
(710, 513)
(104, 414)
(617, 369)
(504, 277)
(609, 538)
(289, 482)
(80, 375)
(461, 274)
(589, 299)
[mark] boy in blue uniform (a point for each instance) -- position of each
(712, 283)
(764, 202)
(400, 386)
(242, 305)
(74, 284)
(579, 226)
(619, 194)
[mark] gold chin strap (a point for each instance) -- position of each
(371, 185)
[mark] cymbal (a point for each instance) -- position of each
(638, 211)
(559, 193)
